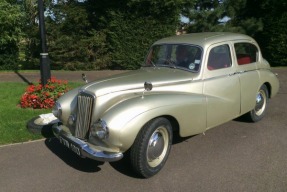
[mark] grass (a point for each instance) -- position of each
(13, 119)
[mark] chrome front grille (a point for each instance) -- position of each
(84, 115)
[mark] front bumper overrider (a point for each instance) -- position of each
(82, 148)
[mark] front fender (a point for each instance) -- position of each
(68, 103)
(128, 117)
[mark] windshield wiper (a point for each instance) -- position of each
(150, 62)
(171, 63)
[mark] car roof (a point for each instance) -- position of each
(204, 39)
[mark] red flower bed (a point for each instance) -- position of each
(39, 97)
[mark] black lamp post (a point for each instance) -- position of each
(44, 57)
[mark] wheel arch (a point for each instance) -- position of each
(269, 88)
(174, 125)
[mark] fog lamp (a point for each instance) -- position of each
(57, 110)
(72, 119)
(100, 129)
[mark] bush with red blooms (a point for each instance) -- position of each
(43, 97)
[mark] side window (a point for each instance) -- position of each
(219, 57)
(246, 53)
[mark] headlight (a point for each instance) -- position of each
(57, 110)
(100, 129)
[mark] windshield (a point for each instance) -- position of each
(182, 56)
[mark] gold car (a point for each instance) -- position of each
(188, 84)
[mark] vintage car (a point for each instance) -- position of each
(187, 85)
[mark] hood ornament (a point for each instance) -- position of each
(147, 87)
(84, 77)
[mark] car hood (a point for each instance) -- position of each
(135, 80)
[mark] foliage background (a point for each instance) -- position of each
(11, 34)
(95, 35)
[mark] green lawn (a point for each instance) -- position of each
(13, 119)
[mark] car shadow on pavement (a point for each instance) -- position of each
(70, 158)
(243, 119)
(88, 165)
(124, 166)
(178, 139)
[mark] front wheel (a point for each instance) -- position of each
(151, 147)
(261, 105)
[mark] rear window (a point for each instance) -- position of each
(246, 53)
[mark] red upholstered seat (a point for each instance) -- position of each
(241, 60)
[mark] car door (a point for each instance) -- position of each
(247, 56)
(221, 85)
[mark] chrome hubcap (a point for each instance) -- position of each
(157, 146)
(260, 103)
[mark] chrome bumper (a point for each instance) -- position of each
(82, 148)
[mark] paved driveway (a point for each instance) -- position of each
(76, 76)
(236, 156)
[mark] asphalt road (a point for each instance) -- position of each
(75, 76)
(236, 156)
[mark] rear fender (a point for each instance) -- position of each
(271, 80)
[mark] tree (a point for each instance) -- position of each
(73, 43)
(101, 34)
(222, 15)
(116, 34)
(133, 25)
(243, 16)
(273, 38)
(204, 16)
(11, 32)
(264, 20)
(31, 38)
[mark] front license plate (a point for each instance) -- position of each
(70, 145)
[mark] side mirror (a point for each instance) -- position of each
(84, 77)
(148, 86)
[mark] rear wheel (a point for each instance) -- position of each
(151, 147)
(261, 105)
